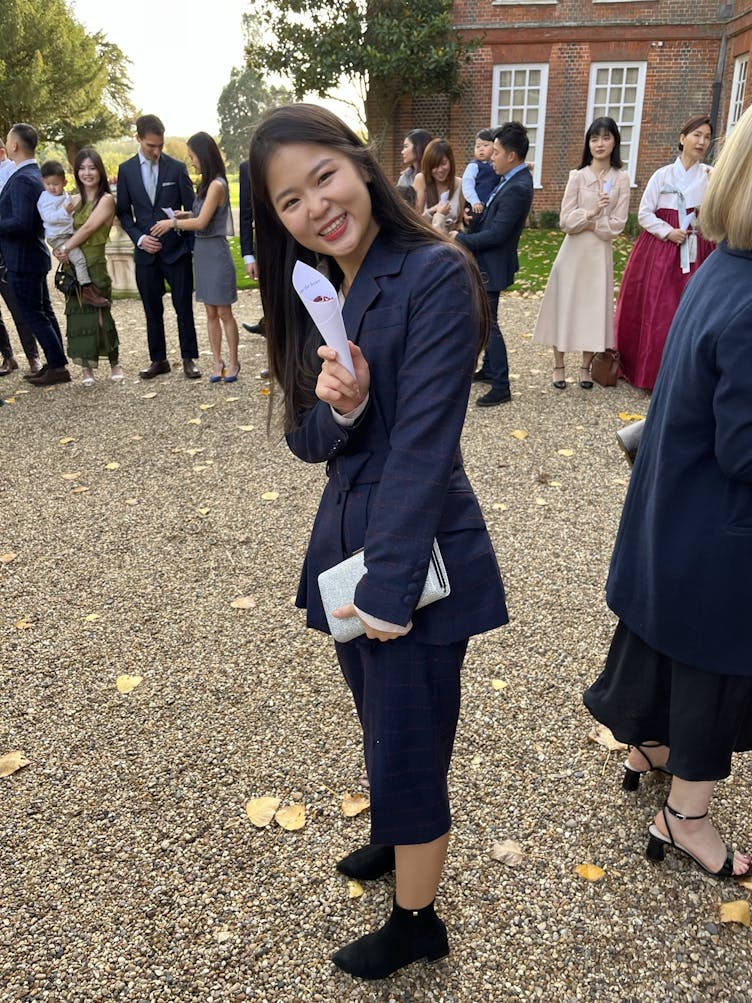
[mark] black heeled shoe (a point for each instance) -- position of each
(368, 863)
(632, 776)
(408, 935)
(559, 384)
(657, 843)
(587, 383)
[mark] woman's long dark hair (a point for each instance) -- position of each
(420, 138)
(599, 125)
(292, 351)
(209, 158)
(434, 153)
(89, 153)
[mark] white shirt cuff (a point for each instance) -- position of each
(349, 419)
(248, 259)
(389, 628)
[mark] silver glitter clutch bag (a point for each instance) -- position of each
(337, 587)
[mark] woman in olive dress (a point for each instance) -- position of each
(91, 332)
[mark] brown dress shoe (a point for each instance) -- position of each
(9, 366)
(155, 369)
(191, 370)
(50, 376)
(91, 296)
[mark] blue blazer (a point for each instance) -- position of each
(22, 243)
(137, 215)
(396, 479)
(681, 572)
(496, 235)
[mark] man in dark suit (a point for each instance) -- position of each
(24, 250)
(246, 235)
(148, 183)
(494, 244)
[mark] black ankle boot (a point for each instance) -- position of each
(368, 863)
(408, 935)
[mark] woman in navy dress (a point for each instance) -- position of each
(677, 684)
(415, 311)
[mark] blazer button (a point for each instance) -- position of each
(416, 576)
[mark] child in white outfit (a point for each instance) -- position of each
(56, 207)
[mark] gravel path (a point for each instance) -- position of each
(128, 867)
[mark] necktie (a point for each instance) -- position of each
(152, 193)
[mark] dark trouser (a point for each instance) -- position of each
(495, 363)
(150, 280)
(407, 695)
(32, 295)
(25, 334)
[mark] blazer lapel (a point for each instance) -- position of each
(380, 260)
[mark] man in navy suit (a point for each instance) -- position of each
(148, 183)
(24, 250)
(246, 235)
(494, 243)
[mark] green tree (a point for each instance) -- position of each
(71, 85)
(388, 48)
(241, 104)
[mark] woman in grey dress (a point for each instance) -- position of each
(216, 285)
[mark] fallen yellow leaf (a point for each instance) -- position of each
(71, 477)
(131, 501)
(354, 804)
(245, 428)
(66, 439)
(149, 397)
(137, 438)
(24, 624)
(565, 452)
(91, 617)
(261, 810)
(200, 467)
(602, 735)
(354, 889)
(244, 602)
(499, 506)
(194, 450)
(80, 489)
(230, 400)
(112, 466)
(519, 433)
(291, 817)
(206, 407)
(10, 400)
(7, 558)
(499, 684)
(590, 872)
(735, 912)
(126, 683)
(541, 501)
(204, 511)
(11, 762)
(264, 391)
(627, 416)
(270, 495)
(194, 421)
(508, 852)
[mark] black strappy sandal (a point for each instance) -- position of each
(632, 776)
(657, 843)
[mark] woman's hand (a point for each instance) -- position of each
(443, 207)
(161, 227)
(676, 236)
(344, 612)
(62, 256)
(336, 385)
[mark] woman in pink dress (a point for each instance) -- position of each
(665, 256)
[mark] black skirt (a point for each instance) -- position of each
(643, 696)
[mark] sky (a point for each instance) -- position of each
(181, 54)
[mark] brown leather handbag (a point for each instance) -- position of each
(606, 367)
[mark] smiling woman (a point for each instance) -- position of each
(416, 313)
(438, 191)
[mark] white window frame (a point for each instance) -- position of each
(738, 90)
(614, 111)
(519, 114)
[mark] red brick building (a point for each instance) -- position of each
(556, 64)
